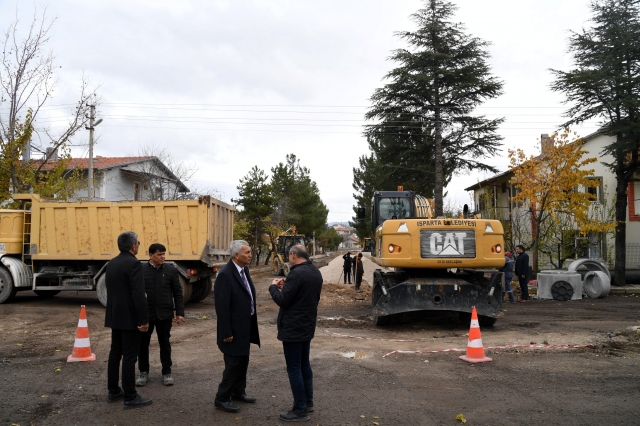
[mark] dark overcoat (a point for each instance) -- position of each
(126, 301)
(522, 265)
(233, 309)
(298, 301)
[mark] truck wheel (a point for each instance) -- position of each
(201, 289)
(286, 269)
(279, 267)
(187, 289)
(7, 289)
(45, 294)
(101, 289)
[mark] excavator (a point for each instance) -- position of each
(433, 263)
(280, 259)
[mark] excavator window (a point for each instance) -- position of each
(394, 208)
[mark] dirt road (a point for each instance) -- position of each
(354, 383)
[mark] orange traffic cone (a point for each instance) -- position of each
(475, 350)
(82, 346)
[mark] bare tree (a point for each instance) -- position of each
(169, 177)
(26, 84)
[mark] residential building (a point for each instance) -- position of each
(127, 179)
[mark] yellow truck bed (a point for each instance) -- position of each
(191, 229)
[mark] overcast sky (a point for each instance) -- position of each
(226, 85)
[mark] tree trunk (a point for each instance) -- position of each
(438, 189)
(621, 221)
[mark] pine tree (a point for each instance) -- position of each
(425, 131)
(605, 84)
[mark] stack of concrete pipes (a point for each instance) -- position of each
(572, 285)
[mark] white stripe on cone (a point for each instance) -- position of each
(476, 343)
(82, 323)
(82, 343)
(475, 324)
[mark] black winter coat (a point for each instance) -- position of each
(233, 309)
(298, 301)
(522, 265)
(163, 291)
(347, 262)
(126, 303)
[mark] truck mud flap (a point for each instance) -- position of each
(438, 294)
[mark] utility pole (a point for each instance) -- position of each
(314, 243)
(91, 128)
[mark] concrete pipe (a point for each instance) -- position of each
(591, 265)
(596, 284)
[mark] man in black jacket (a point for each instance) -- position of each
(298, 298)
(522, 272)
(127, 315)
(164, 291)
(235, 301)
(346, 267)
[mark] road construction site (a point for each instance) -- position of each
(569, 363)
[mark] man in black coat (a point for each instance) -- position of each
(235, 301)
(164, 291)
(127, 315)
(298, 297)
(522, 272)
(346, 267)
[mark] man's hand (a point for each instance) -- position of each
(144, 327)
(228, 339)
(279, 282)
(179, 319)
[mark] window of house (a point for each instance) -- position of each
(158, 193)
(137, 191)
(597, 191)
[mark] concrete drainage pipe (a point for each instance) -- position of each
(596, 284)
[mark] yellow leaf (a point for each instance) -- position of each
(362, 416)
(375, 417)
(57, 350)
(19, 344)
(57, 370)
(461, 418)
(204, 317)
(376, 423)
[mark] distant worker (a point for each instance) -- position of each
(163, 293)
(235, 302)
(508, 275)
(298, 298)
(353, 267)
(522, 272)
(346, 267)
(127, 315)
(359, 272)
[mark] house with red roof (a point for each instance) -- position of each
(127, 179)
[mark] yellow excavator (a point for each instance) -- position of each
(436, 263)
(280, 259)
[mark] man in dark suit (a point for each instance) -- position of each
(522, 271)
(128, 317)
(235, 299)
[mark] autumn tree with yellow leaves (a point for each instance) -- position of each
(554, 186)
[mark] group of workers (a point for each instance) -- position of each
(143, 297)
(353, 263)
(520, 266)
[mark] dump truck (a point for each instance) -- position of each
(433, 263)
(51, 246)
(280, 258)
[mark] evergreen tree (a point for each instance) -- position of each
(298, 197)
(257, 205)
(424, 130)
(605, 84)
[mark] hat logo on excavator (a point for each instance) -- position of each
(448, 247)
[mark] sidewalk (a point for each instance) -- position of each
(627, 289)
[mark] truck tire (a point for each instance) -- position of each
(187, 289)
(45, 294)
(286, 269)
(101, 289)
(280, 268)
(7, 289)
(201, 289)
